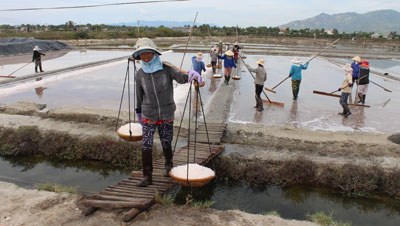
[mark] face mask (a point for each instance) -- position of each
(152, 66)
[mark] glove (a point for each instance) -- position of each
(139, 118)
(193, 75)
(350, 85)
(290, 76)
(339, 89)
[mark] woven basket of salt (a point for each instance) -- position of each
(236, 77)
(135, 128)
(209, 65)
(196, 176)
(195, 83)
(217, 75)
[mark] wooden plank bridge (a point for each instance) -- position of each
(126, 195)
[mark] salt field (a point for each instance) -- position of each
(101, 87)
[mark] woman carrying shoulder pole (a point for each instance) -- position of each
(229, 63)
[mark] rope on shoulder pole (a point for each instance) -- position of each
(187, 42)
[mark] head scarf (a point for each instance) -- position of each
(153, 65)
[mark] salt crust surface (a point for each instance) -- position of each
(135, 127)
(196, 171)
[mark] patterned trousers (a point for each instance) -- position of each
(295, 88)
(165, 131)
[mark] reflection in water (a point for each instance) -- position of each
(294, 202)
(359, 118)
(258, 115)
(39, 90)
(293, 119)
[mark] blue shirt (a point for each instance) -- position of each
(356, 69)
(295, 71)
(228, 62)
(198, 66)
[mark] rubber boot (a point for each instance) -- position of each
(168, 160)
(228, 78)
(260, 104)
(360, 97)
(256, 102)
(363, 99)
(347, 110)
(343, 112)
(147, 163)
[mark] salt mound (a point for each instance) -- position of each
(217, 76)
(135, 127)
(195, 172)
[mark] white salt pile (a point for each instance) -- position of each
(136, 129)
(195, 172)
(217, 76)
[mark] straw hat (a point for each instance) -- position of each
(229, 53)
(260, 61)
(357, 59)
(347, 67)
(36, 48)
(296, 60)
(236, 43)
(365, 63)
(144, 45)
(199, 55)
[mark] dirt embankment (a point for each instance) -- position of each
(21, 206)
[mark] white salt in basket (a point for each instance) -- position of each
(217, 76)
(198, 175)
(136, 128)
(236, 77)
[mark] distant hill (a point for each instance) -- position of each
(381, 21)
(144, 23)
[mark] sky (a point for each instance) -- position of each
(243, 13)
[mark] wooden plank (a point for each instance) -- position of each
(113, 198)
(140, 204)
(270, 90)
(279, 104)
(326, 94)
(130, 193)
(359, 105)
(132, 213)
(124, 194)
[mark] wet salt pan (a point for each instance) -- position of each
(196, 171)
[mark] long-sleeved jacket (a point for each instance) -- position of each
(198, 65)
(364, 76)
(37, 55)
(228, 62)
(295, 71)
(155, 93)
(214, 56)
(347, 83)
(261, 75)
(356, 69)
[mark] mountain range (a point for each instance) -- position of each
(380, 21)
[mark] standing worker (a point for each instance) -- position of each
(229, 63)
(356, 67)
(295, 73)
(214, 59)
(236, 49)
(37, 58)
(346, 90)
(261, 77)
(155, 106)
(198, 64)
(363, 81)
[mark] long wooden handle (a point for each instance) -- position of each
(387, 90)
(280, 82)
(323, 50)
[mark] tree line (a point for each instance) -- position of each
(70, 30)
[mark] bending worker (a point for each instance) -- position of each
(37, 58)
(155, 106)
(261, 77)
(295, 73)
